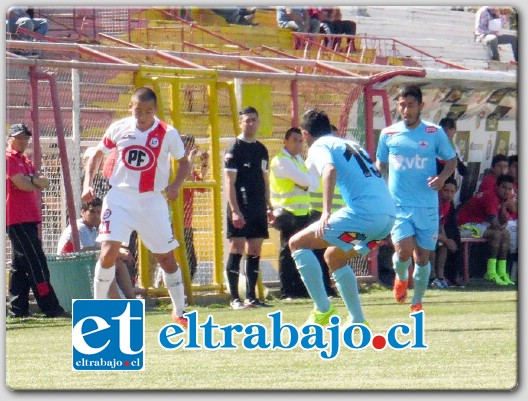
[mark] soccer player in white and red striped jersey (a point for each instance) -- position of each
(140, 176)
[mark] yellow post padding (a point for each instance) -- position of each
(259, 96)
(154, 77)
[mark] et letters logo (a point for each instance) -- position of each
(108, 334)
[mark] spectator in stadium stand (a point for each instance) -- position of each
(29, 267)
(351, 231)
(249, 209)
(290, 197)
(448, 256)
(485, 215)
(448, 124)
(512, 205)
(331, 22)
(409, 148)
(237, 15)
(499, 166)
(297, 19)
(24, 17)
(488, 30)
(138, 197)
(192, 152)
(87, 226)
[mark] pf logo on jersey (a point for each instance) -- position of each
(137, 157)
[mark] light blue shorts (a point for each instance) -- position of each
(422, 222)
(348, 230)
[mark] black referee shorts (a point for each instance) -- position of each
(256, 226)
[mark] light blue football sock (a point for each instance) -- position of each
(346, 284)
(421, 281)
(311, 274)
(401, 268)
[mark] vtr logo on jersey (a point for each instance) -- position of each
(108, 334)
(408, 163)
(137, 157)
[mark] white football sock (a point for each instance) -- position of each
(174, 284)
(102, 280)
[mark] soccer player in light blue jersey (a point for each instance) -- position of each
(354, 229)
(410, 148)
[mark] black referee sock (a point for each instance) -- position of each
(252, 271)
(233, 272)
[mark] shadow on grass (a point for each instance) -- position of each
(35, 320)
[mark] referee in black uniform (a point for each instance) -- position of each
(249, 210)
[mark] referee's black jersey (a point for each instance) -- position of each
(249, 160)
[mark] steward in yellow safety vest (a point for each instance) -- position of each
(290, 183)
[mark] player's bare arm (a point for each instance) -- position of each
(383, 169)
(437, 182)
(328, 177)
(269, 207)
(184, 168)
(236, 214)
(91, 167)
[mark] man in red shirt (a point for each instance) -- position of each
(486, 214)
(29, 268)
(499, 165)
(512, 206)
(447, 256)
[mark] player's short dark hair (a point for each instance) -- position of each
(451, 180)
(411, 90)
(513, 159)
(144, 94)
(447, 123)
(96, 202)
(248, 110)
(316, 122)
(505, 178)
(498, 158)
(291, 131)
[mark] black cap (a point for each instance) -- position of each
(16, 129)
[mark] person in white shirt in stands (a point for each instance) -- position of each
(297, 19)
(87, 228)
(488, 30)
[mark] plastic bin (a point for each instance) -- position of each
(71, 276)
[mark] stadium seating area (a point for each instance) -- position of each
(438, 31)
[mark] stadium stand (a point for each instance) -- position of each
(449, 33)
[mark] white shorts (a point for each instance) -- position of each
(147, 213)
